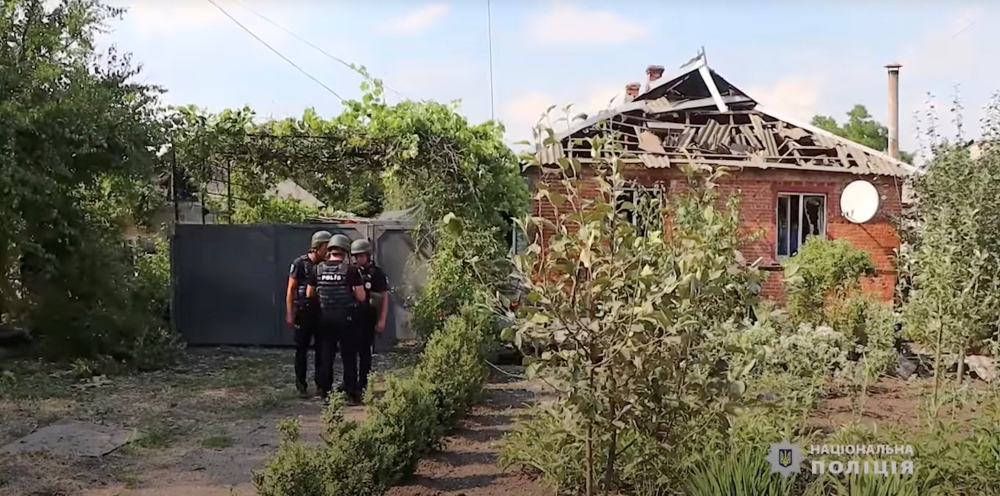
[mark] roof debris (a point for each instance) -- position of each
(700, 117)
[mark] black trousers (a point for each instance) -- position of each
(327, 340)
(307, 326)
(356, 349)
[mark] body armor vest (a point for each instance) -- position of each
(335, 297)
(300, 287)
(372, 299)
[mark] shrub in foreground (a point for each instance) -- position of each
(453, 366)
(744, 472)
(628, 323)
(823, 269)
(409, 419)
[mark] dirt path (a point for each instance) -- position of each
(202, 427)
(197, 429)
(467, 464)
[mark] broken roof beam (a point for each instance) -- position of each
(662, 105)
(706, 75)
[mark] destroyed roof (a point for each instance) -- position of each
(699, 117)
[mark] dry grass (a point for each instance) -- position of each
(211, 417)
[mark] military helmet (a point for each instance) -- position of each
(340, 242)
(360, 246)
(320, 238)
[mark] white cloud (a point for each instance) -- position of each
(440, 79)
(948, 49)
(521, 113)
(566, 23)
(798, 96)
(419, 20)
(524, 111)
(178, 16)
(957, 52)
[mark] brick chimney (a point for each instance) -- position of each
(631, 91)
(653, 73)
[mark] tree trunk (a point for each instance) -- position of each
(609, 470)
(937, 366)
(961, 364)
(589, 476)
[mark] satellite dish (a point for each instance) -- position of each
(859, 202)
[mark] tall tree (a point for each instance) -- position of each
(860, 127)
(78, 141)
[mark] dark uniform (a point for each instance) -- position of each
(335, 282)
(358, 351)
(307, 320)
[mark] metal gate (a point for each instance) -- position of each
(229, 280)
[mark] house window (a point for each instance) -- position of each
(518, 240)
(645, 212)
(798, 217)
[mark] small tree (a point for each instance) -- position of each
(954, 304)
(621, 321)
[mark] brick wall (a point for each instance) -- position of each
(758, 191)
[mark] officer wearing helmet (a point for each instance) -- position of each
(338, 286)
(372, 312)
(302, 313)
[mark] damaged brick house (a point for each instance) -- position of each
(788, 175)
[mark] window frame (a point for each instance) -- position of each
(801, 195)
(517, 236)
(633, 189)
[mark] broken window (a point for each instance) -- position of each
(518, 240)
(641, 208)
(798, 217)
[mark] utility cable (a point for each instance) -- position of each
(276, 52)
(313, 46)
(489, 34)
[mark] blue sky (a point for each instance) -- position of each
(795, 56)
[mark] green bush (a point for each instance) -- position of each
(743, 472)
(822, 268)
(408, 420)
(296, 470)
(949, 457)
(805, 351)
(272, 210)
(464, 261)
(873, 326)
(453, 365)
(544, 445)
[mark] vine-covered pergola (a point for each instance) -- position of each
(372, 157)
(227, 160)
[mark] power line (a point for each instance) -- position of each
(489, 32)
(313, 46)
(276, 52)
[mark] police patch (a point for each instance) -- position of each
(291, 269)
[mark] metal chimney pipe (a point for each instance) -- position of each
(893, 70)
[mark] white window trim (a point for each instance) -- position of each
(822, 230)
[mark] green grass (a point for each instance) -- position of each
(217, 442)
(159, 435)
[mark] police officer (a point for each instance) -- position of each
(357, 353)
(301, 313)
(339, 288)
